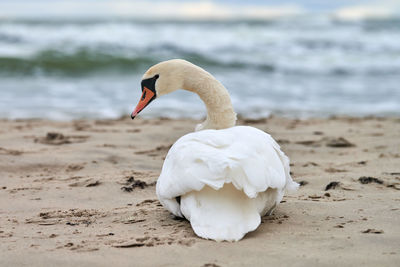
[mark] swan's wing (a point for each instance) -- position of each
(184, 169)
(244, 156)
(290, 184)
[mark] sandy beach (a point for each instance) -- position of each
(83, 193)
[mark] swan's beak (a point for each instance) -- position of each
(147, 97)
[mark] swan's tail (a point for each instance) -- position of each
(227, 214)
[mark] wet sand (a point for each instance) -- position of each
(83, 193)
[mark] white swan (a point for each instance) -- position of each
(222, 177)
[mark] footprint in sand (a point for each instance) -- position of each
(148, 241)
(69, 217)
(86, 183)
(53, 138)
(158, 151)
(12, 152)
(75, 167)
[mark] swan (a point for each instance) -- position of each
(222, 177)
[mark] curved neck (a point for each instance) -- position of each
(220, 113)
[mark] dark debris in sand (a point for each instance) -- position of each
(255, 121)
(303, 183)
(368, 180)
(338, 142)
(95, 183)
(332, 185)
(337, 185)
(333, 170)
(130, 245)
(372, 231)
(130, 184)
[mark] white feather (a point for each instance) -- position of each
(226, 179)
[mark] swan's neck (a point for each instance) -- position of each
(220, 113)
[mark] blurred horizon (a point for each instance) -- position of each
(196, 9)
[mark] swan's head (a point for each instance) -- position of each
(160, 79)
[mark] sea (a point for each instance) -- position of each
(304, 66)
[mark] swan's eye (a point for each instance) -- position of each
(156, 76)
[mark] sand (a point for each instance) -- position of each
(82, 193)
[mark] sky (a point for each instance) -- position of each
(196, 9)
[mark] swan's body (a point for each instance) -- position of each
(226, 176)
(226, 179)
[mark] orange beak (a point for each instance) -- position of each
(147, 97)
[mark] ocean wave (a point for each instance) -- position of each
(91, 61)
(298, 66)
(286, 46)
(83, 61)
(79, 63)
